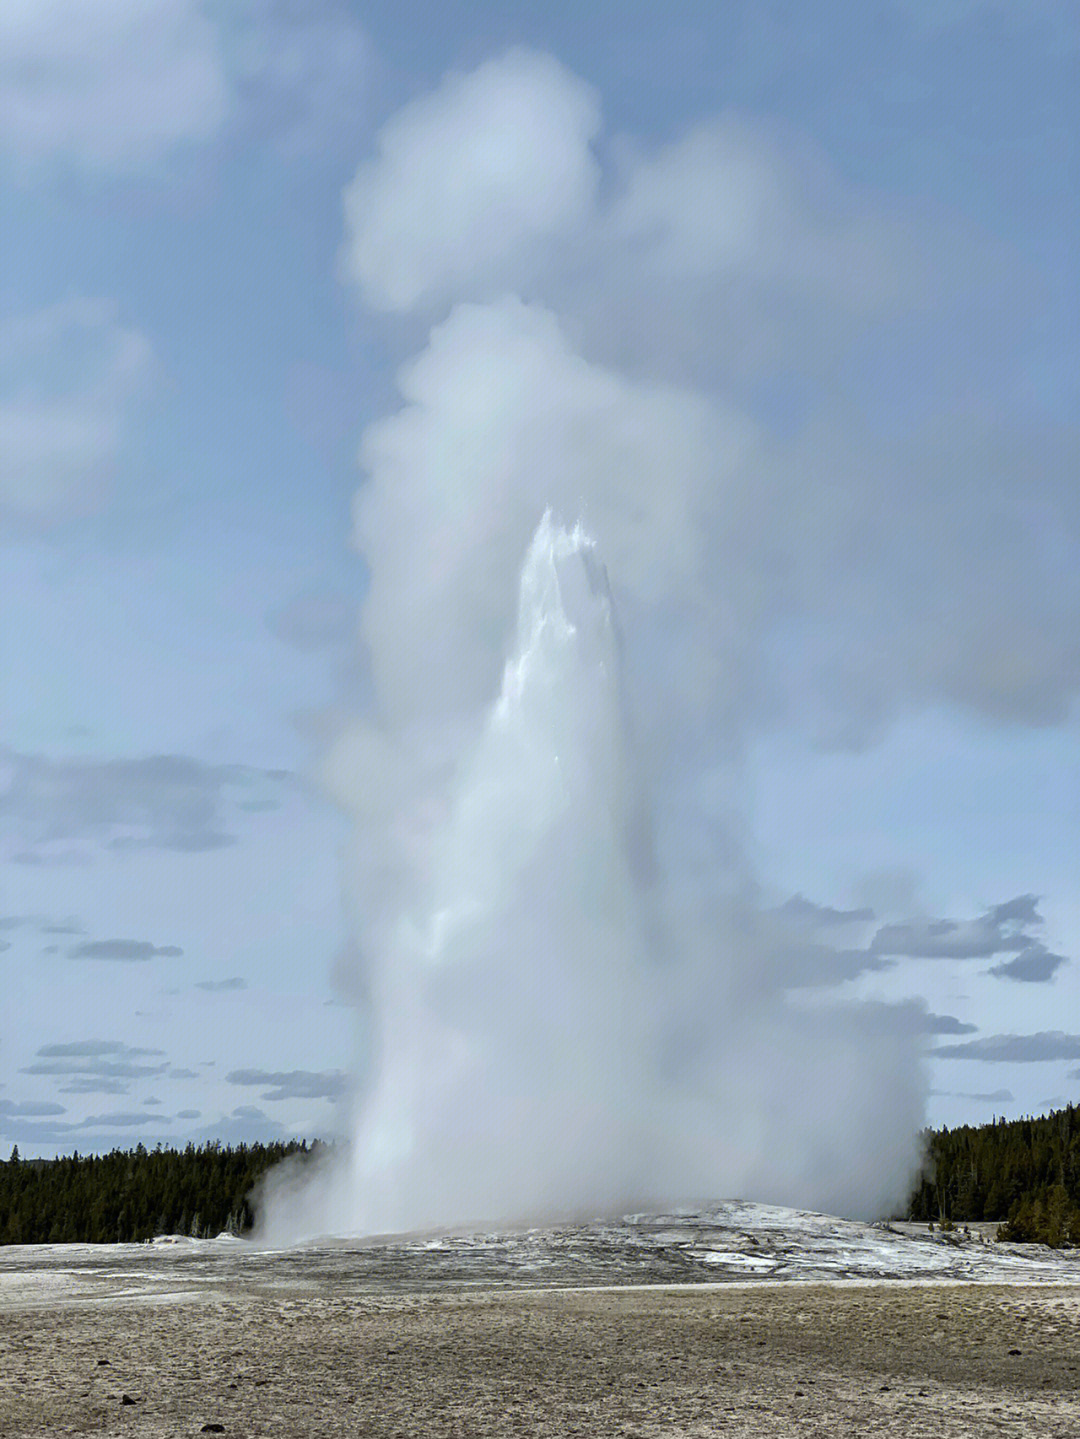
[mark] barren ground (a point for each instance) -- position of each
(330, 1342)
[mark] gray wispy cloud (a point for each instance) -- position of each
(293, 1083)
(810, 965)
(1034, 965)
(90, 1049)
(39, 924)
(105, 1068)
(804, 910)
(171, 802)
(122, 1118)
(993, 1096)
(221, 986)
(31, 1108)
(128, 950)
(802, 943)
(26, 1129)
(31, 1121)
(1015, 1048)
(1000, 930)
(95, 1084)
(947, 1024)
(96, 1066)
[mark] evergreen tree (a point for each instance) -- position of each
(132, 1195)
(1024, 1173)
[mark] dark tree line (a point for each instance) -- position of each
(1023, 1172)
(133, 1194)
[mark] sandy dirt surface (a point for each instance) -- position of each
(348, 1341)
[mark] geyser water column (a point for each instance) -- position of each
(567, 1013)
(512, 999)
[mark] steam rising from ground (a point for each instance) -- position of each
(565, 1023)
(571, 998)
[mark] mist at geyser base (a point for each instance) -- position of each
(567, 1007)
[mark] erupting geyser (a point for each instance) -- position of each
(558, 1023)
(513, 1000)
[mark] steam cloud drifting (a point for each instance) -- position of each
(570, 1000)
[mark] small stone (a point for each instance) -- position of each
(102, 1362)
(126, 1399)
(1014, 1351)
(212, 1429)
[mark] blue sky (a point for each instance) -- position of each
(841, 236)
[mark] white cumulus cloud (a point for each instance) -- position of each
(113, 85)
(472, 182)
(117, 87)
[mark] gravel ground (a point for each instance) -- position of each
(780, 1323)
(836, 1360)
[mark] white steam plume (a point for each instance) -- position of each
(566, 1023)
(570, 999)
